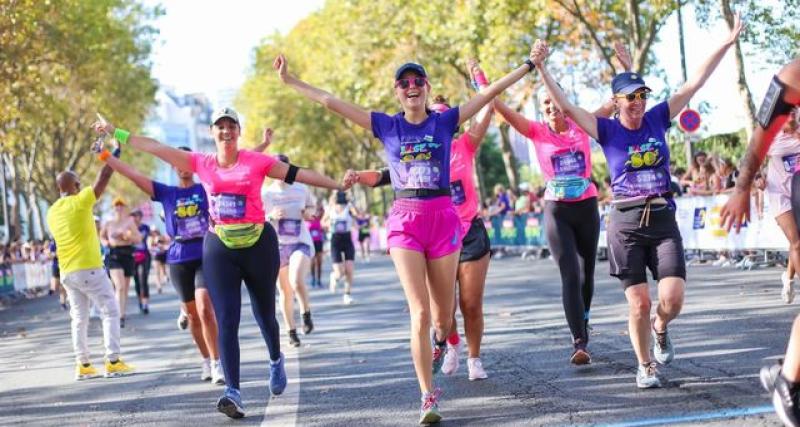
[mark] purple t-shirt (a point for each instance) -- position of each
(638, 160)
(186, 218)
(418, 155)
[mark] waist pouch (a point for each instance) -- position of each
(567, 187)
(238, 236)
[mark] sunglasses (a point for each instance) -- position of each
(634, 96)
(406, 83)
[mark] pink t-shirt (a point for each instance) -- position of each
(234, 193)
(462, 186)
(563, 154)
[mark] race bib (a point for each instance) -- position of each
(647, 182)
(230, 206)
(569, 164)
(340, 226)
(417, 174)
(189, 228)
(790, 162)
(457, 192)
(289, 227)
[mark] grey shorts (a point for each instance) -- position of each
(657, 246)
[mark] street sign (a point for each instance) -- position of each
(689, 120)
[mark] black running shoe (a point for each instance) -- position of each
(308, 325)
(785, 401)
(294, 341)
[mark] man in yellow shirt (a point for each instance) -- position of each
(72, 225)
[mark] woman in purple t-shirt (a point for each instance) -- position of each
(642, 231)
(238, 244)
(424, 232)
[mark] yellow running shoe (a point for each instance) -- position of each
(84, 372)
(118, 368)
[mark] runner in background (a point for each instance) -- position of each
(55, 276)
(339, 219)
(364, 233)
(142, 262)
(159, 245)
(318, 237)
(119, 235)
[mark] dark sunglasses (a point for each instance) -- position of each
(634, 96)
(406, 83)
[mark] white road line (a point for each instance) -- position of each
(282, 410)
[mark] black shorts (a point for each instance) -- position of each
(161, 257)
(55, 271)
(317, 246)
(476, 242)
(633, 249)
(121, 257)
(342, 248)
(363, 236)
(186, 277)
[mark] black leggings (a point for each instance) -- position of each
(572, 230)
(141, 276)
(223, 271)
(795, 198)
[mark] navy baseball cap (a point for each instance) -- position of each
(625, 83)
(410, 66)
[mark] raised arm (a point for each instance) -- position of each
(266, 140)
(680, 99)
(145, 184)
(515, 119)
(101, 182)
(478, 130)
(471, 107)
(178, 158)
(586, 120)
(624, 58)
(306, 176)
(349, 111)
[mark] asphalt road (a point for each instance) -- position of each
(355, 368)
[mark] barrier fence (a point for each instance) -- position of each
(24, 276)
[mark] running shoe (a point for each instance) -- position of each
(475, 369)
(332, 279)
(308, 324)
(429, 410)
(230, 403)
(84, 371)
(450, 364)
(183, 321)
(121, 322)
(787, 293)
(347, 299)
(580, 356)
(647, 376)
(118, 368)
(205, 370)
(785, 401)
(277, 376)
(64, 306)
(217, 376)
(145, 309)
(663, 351)
(768, 375)
(294, 340)
(439, 351)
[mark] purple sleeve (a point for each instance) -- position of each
(380, 122)
(160, 192)
(661, 113)
(449, 119)
(604, 127)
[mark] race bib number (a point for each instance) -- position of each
(569, 164)
(230, 206)
(420, 174)
(289, 227)
(188, 228)
(340, 226)
(647, 182)
(457, 192)
(790, 162)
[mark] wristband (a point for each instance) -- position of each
(104, 155)
(121, 135)
(528, 62)
(117, 152)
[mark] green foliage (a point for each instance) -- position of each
(490, 162)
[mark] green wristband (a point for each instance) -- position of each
(121, 135)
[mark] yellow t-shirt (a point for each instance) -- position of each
(72, 224)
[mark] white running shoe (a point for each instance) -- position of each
(450, 364)
(475, 368)
(205, 370)
(332, 279)
(183, 320)
(347, 299)
(217, 376)
(787, 293)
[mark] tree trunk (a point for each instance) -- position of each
(14, 223)
(508, 157)
(741, 83)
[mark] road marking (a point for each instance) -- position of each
(703, 416)
(282, 410)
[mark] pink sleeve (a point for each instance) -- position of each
(534, 128)
(195, 161)
(266, 161)
(469, 146)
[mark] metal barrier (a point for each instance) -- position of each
(24, 276)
